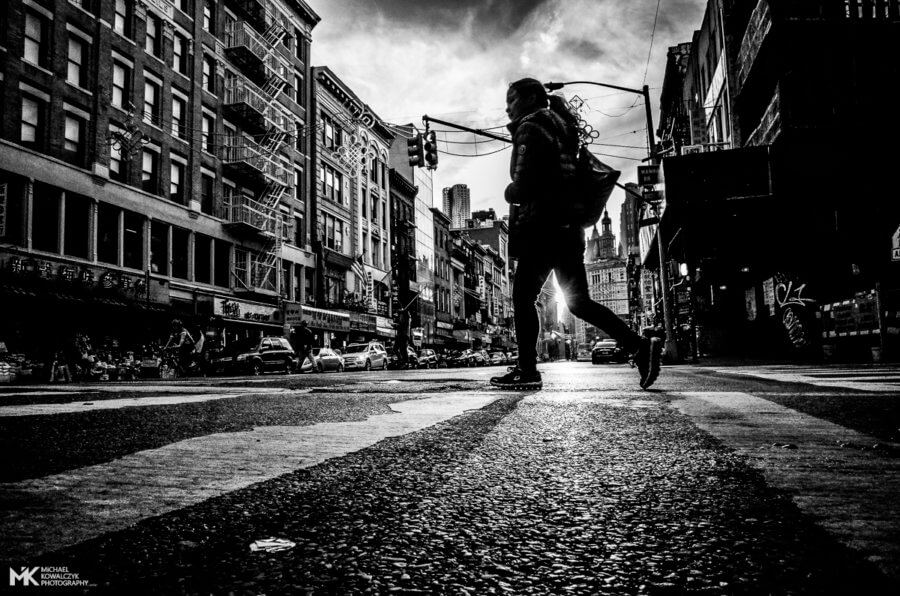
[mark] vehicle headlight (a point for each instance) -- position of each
(241, 357)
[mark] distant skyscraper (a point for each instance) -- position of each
(457, 205)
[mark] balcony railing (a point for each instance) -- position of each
(246, 155)
(240, 35)
(266, 113)
(244, 210)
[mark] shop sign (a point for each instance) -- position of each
(648, 175)
(750, 301)
(360, 321)
(245, 311)
(385, 331)
(383, 323)
(326, 319)
(444, 325)
(769, 294)
(895, 242)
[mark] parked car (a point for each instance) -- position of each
(607, 350)
(267, 354)
(513, 356)
(583, 352)
(366, 356)
(456, 358)
(498, 358)
(474, 358)
(326, 359)
(428, 359)
(412, 360)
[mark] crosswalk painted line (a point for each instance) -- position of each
(156, 481)
(851, 493)
(876, 380)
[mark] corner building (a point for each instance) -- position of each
(153, 163)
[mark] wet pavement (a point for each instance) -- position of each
(590, 486)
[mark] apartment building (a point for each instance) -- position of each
(153, 163)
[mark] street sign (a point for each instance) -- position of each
(652, 196)
(648, 175)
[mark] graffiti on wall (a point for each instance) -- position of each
(796, 310)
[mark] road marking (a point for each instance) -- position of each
(850, 492)
(53, 512)
(878, 381)
(130, 402)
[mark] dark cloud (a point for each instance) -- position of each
(582, 48)
(488, 17)
(676, 13)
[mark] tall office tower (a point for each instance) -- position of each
(457, 205)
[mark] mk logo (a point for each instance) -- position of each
(26, 576)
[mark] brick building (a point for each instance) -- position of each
(153, 163)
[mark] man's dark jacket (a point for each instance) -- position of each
(543, 157)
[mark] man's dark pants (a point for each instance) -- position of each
(563, 252)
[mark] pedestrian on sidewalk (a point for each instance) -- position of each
(545, 148)
(305, 341)
(401, 342)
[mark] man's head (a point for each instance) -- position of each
(303, 323)
(524, 97)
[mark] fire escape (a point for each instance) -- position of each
(251, 98)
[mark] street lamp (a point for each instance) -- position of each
(671, 346)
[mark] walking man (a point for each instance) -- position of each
(545, 146)
(401, 342)
(305, 341)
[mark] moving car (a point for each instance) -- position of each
(365, 356)
(583, 352)
(428, 359)
(256, 356)
(607, 350)
(326, 359)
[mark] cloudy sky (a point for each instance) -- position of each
(453, 60)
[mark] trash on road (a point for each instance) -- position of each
(272, 545)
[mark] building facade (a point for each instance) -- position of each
(777, 92)
(352, 214)
(153, 160)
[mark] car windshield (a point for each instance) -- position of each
(242, 346)
(606, 343)
(356, 349)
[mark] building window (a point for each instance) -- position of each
(45, 229)
(159, 247)
(152, 40)
(208, 124)
(176, 182)
(298, 184)
(133, 243)
(298, 89)
(120, 85)
(178, 114)
(150, 171)
(180, 247)
(76, 238)
(221, 263)
(202, 258)
(122, 18)
(298, 43)
(74, 134)
(299, 231)
(74, 70)
(179, 54)
(207, 184)
(32, 120)
(209, 74)
(184, 6)
(117, 162)
(300, 136)
(35, 38)
(208, 20)
(108, 234)
(151, 102)
(331, 134)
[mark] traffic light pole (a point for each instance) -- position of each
(671, 345)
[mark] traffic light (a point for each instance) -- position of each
(431, 150)
(415, 150)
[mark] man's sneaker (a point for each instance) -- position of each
(517, 378)
(649, 359)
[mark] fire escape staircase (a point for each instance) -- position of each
(265, 267)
